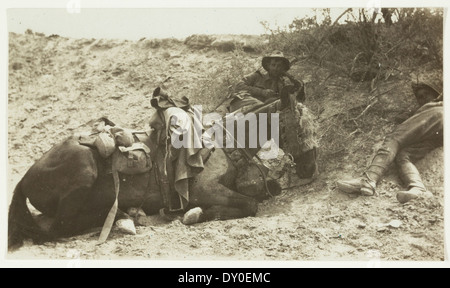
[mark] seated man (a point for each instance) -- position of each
(410, 141)
(260, 91)
(259, 87)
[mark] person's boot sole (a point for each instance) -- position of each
(348, 187)
(405, 196)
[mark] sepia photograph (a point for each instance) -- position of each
(230, 135)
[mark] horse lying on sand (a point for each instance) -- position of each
(74, 185)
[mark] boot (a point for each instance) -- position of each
(411, 177)
(358, 185)
(367, 183)
(413, 193)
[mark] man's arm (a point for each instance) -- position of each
(429, 105)
(299, 86)
(248, 84)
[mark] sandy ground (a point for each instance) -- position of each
(56, 85)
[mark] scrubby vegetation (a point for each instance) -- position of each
(368, 53)
(371, 57)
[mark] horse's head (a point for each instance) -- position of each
(298, 131)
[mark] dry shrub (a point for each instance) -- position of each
(414, 39)
(360, 56)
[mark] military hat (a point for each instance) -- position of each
(432, 92)
(275, 55)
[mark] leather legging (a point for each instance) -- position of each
(409, 142)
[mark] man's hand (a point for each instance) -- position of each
(271, 99)
(268, 93)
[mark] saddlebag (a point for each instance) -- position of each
(132, 160)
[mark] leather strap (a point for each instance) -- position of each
(112, 212)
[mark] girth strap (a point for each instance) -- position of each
(113, 211)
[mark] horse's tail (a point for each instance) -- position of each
(20, 221)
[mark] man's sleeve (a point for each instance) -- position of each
(429, 105)
(248, 84)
